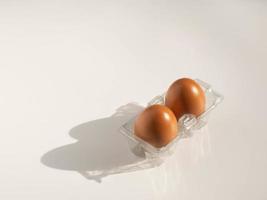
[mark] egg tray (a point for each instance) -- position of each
(187, 123)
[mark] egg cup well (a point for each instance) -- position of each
(187, 123)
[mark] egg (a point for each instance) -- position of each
(185, 96)
(156, 125)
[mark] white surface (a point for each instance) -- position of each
(63, 63)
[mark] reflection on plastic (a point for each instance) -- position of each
(168, 180)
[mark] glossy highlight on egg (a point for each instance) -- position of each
(156, 125)
(185, 96)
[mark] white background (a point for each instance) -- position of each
(63, 63)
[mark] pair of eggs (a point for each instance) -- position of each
(158, 124)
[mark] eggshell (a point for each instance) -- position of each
(156, 125)
(185, 96)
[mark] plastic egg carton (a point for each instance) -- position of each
(188, 123)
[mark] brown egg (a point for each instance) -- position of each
(156, 125)
(185, 96)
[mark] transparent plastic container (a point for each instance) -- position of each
(187, 123)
